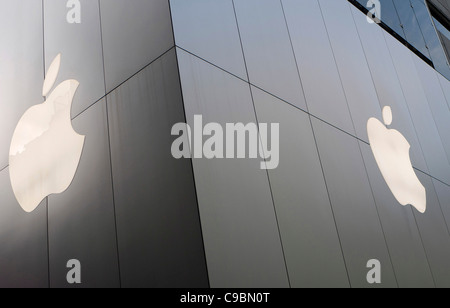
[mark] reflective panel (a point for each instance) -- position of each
(444, 35)
(81, 46)
(420, 110)
(81, 220)
(443, 192)
(355, 74)
(45, 150)
(435, 235)
(356, 214)
(159, 232)
(208, 29)
(445, 84)
(308, 231)
(23, 256)
(267, 49)
(437, 102)
(413, 32)
(386, 82)
(242, 242)
(416, 21)
(316, 63)
(437, 53)
(390, 16)
(401, 231)
(133, 36)
(21, 65)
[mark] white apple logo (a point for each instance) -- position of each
(45, 150)
(391, 151)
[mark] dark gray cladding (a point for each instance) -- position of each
(159, 234)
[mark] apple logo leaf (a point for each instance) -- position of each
(52, 74)
(387, 115)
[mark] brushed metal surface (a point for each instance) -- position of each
(23, 257)
(435, 235)
(242, 242)
(267, 49)
(208, 29)
(443, 193)
(316, 63)
(21, 65)
(445, 84)
(81, 220)
(437, 102)
(81, 48)
(355, 75)
(388, 86)
(133, 36)
(355, 210)
(420, 110)
(308, 230)
(160, 240)
(402, 234)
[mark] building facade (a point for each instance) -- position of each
(135, 216)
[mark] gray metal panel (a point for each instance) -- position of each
(23, 238)
(435, 235)
(80, 47)
(402, 234)
(308, 230)
(419, 108)
(134, 34)
(353, 68)
(316, 63)
(267, 49)
(243, 247)
(354, 207)
(81, 220)
(21, 65)
(445, 87)
(437, 102)
(208, 29)
(387, 84)
(159, 232)
(443, 192)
